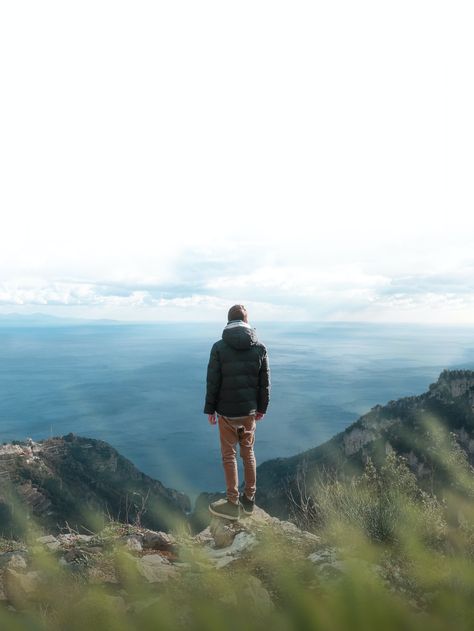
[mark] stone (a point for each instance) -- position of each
(205, 536)
(74, 554)
(46, 539)
(223, 532)
(243, 542)
(323, 555)
(133, 543)
(21, 587)
(158, 540)
(72, 538)
(155, 569)
(49, 541)
(102, 575)
(16, 560)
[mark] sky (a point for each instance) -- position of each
(165, 160)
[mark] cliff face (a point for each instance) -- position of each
(405, 426)
(80, 481)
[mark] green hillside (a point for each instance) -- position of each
(424, 429)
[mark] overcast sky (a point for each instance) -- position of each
(164, 160)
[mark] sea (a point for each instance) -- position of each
(141, 386)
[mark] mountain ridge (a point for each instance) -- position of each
(399, 425)
(76, 479)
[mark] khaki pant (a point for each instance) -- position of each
(231, 432)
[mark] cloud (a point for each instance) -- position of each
(159, 177)
(458, 281)
(205, 290)
(300, 281)
(155, 302)
(40, 292)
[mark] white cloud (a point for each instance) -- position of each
(79, 299)
(316, 157)
(300, 281)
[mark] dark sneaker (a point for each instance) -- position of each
(225, 509)
(247, 505)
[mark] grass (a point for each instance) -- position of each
(404, 560)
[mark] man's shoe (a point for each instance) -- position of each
(247, 505)
(225, 509)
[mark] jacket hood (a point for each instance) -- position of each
(239, 335)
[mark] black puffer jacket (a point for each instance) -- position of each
(238, 373)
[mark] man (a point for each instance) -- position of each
(238, 392)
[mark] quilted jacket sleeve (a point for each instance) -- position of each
(213, 382)
(264, 384)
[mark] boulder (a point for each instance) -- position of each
(20, 588)
(155, 568)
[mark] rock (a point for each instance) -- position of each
(243, 541)
(74, 555)
(71, 538)
(50, 542)
(205, 536)
(84, 538)
(16, 560)
(47, 539)
(95, 549)
(22, 587)
(258, 516)
(323, 555)
(102, 574)
(133, 543)
(327, 563)
(223, 532)
(155, 569)
(158, 540)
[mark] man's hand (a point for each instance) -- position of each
(212, 418)
(259, 416)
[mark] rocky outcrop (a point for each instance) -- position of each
(123, 556)
(401, 425)
(78, 481)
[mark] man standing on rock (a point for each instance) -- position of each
(238, 392)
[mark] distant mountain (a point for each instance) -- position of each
(76, 479)
(404, 426)
(45, 319)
